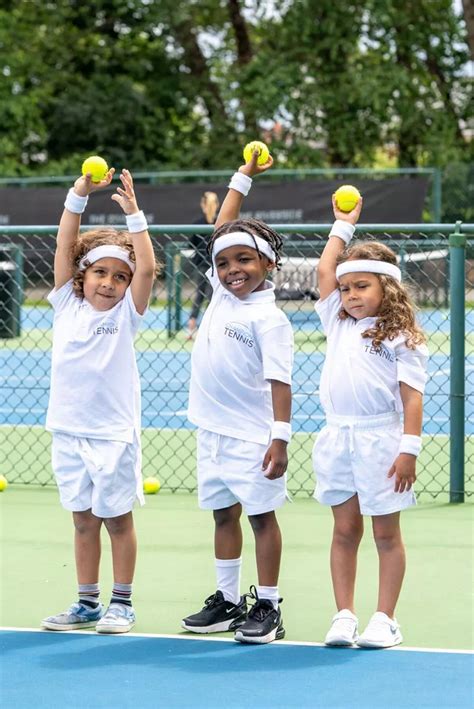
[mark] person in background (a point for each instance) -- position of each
(209, 206)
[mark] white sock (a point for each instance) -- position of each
(228, 578)
(269, 593)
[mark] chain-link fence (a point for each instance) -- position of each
(436, 265)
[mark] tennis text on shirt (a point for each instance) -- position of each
(240, 346)
(95, 388)
(359, 379)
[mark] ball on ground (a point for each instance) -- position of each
(3, 483)
(96, 166)
(263, 152)
(347, 197)
(151, 486)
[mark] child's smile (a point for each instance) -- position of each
(241, 270)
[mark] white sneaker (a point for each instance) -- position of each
(343, 630)
(118, 618)
(382, 631)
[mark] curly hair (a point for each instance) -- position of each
(397, 312)
(88, 240)
(253, 227)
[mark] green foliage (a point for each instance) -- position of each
(183, 85)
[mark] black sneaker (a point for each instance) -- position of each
(217, 616)
(264, 623)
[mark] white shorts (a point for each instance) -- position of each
(97, 475)
(353, 456)
(230, 471)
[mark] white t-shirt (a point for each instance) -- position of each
(240, 346)
(359, 379)
(95, 387)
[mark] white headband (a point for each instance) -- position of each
(107, 250)
(369, 266)
(240, 238)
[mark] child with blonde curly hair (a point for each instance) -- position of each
(102, 284)
(372, 393)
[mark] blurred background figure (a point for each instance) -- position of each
(209, 207)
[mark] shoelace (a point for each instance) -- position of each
(261, 609)
(212, 601)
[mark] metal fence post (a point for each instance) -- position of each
(457, 261)
(170, 288)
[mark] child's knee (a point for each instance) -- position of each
(227, 515)
(119, 525)
(387, 539)
(86, 522)
(348, 533)
(264, 522)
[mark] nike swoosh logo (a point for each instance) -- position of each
(229, 610)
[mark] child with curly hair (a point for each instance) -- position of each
(365, 458)
(102, 284)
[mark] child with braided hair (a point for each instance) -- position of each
(240, 399)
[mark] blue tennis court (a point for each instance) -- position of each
(80, 669)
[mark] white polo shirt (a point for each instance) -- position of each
(95, 387)
(240, 346)
(359, 379)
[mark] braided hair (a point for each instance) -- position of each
(253, 227)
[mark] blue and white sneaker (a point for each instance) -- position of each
(76, 617)
(118, 618)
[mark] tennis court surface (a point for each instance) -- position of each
(83, 669)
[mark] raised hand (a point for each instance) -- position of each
(125, 195)
(352, 217)
(84, 185)
(253, 168)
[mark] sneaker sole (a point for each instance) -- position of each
(69, 626)
(216, 628)
(113, 629)
(276, 634)
(340, 642)
(377, 645)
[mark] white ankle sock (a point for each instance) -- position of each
(228, 578)
(269, 593)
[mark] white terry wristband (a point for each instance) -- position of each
(343, 230)
(281, 430)
(410, 444)
(136, 222)
(241, 183)
(75, 203)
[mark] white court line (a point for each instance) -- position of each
(227, 640)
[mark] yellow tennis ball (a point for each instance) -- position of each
(261, 147)
(347, 197)
(3, 483)
(96, 166)
(151, 486)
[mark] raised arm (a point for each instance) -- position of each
(232, 203)
(69, 225)
(144, 275)
(335, 245)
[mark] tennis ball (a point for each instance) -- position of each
(262, 149)
(347, 197)
(3, 483)
(96, 166)
(151, 486)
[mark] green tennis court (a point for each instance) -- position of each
(175, 569)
